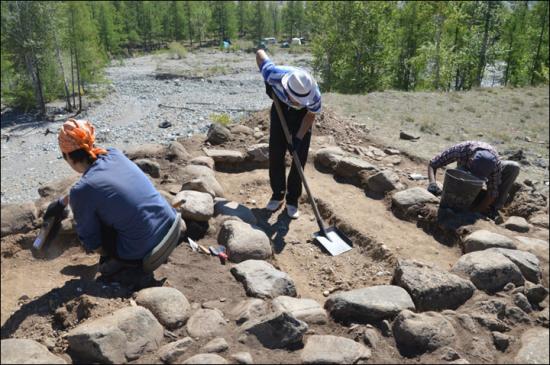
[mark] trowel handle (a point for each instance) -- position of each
(298, 164)
(44, 231)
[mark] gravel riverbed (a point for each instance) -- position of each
(144, 92)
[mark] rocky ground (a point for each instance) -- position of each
(420, 284)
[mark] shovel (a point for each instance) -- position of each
(332, 239)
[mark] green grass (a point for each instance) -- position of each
(177, 50)
(223, 119)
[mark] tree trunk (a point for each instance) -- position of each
(72, 76)
(40, 92)
(66, 87)
(437, 46)
(483, 50)
(78, 81)
(536, 59)
(189, 23)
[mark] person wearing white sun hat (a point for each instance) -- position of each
(300, 101)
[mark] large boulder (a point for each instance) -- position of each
(534, 347)
(413, 196)
(482, 239)
(262, 280)
(203, 161)
(218, 134)
(18, 218)
(489, 271)
(276, 330)
(307, 310)
(526, 261)
(198, 176)
(329, 157)
(539, 220)
(432, 289)
(372, 304)
(219, 344)
(195, 205)
(176, 152)
(171, 352)
(348, 167)
(169, 305)
(59, 187)
(327, 349)
(205, 359)
(535, 293)
(417, 333)
(222, 157)
(249, 309)
(119, 337)
(23, 351)
(149, 167)
(230, 210)
(258, 152)
(383, 182)
(518, 224)
(244, 242)
(206, 323)
(148, 150)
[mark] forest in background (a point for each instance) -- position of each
(58, 49)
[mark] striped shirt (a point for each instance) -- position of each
(274, 74)
(462, 154)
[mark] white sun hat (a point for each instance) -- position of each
(300, 86)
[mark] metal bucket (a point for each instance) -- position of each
(460, 189)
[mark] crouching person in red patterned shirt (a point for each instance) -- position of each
(482, 160)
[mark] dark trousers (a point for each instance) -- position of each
(278, 147)
(108, 244)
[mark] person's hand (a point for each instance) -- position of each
(268, 90)
(434, 189)
(55, 209)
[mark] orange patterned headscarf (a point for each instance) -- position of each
(78, 134)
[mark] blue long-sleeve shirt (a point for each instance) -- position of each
(115, 192)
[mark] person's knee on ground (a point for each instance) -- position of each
(510, 172)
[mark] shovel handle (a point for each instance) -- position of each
(296, 160)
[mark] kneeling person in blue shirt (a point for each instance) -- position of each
(117, 210)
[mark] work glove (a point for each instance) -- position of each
(434, 189)
(296, 144)
(56, 209)
(268, 90)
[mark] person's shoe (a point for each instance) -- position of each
(109, 266)
(274, 205)
(292, 211)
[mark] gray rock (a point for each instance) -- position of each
(205, 359)
(383, 182)
(203, 161)
(326, 349)
(225, 209)
(176, 152)
(516, 315)
(460, 361)
(370, 337)
(276, 330)
(206, 323)
(149, 167)
(491, 323)
(532, 243)
(59, 187)
(432, 289)
(216, 345)
(170, 353)
(262, 280)
(392, 151)
(168, 305)
(244, 242)
(394, 160)
(148, 150)
(241, 129)
(242, 358)
(517, 224)
(221, 157)
(258, 152)
(489, 271)
(195, 205)
(482, 239)
(370, 304)
(449, 354)
(500, 340)
(418, 333)
(534, 347)
(17, 218)
(349, 166)
(535, 293)
(249, 309)
(522, 302)
(539, 220)
(412, 196)
(193, 173)
(526, 261)
(408, 136)
(329, 157)
(218, 134)
(23, 351)
(307, 310)
(119, 337)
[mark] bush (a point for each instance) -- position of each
(223, 119)
(177, 50)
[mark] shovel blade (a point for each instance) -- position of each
(335, 242)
